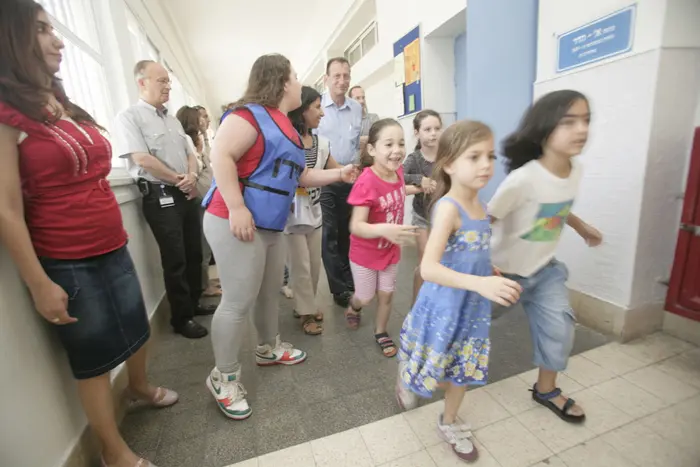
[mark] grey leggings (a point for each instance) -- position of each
(251, 275)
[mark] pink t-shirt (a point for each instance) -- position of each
(385, 201)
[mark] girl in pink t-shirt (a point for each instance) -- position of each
(376, 227)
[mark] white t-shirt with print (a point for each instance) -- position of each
(306, 215)
(531, 207)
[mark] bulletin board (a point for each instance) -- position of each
(407, 74)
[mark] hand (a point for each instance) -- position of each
(591, 235)
(187, 182)
(500, 290)
(241, 222)
(51, 301)
(427, 185)
(399, 234)
(193, 193)
(497, 272)
(349, 173)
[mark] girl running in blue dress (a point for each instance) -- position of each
(445, 338)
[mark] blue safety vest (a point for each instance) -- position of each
(268, 192)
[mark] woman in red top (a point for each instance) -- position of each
(62, 225)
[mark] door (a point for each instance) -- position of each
(684, 288)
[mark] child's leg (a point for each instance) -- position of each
(552, 328)
(458, 436)
(417, 279)
(365, 280)
(386, 283)
(454, 395)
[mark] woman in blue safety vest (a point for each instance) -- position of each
(258, 162)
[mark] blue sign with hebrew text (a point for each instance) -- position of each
(601, 39)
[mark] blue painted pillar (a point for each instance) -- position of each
(501, 67)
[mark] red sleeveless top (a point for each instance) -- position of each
(69, 207)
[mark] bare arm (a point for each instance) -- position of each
(575, 223)
(446, 222)
(233, 139)
(359, 225)
(320, 177)
(155, 167)
(13, 228)
(413, 190)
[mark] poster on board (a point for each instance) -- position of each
(399, 70)
(411, 60)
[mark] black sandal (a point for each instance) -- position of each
(545, 399)
(386, 344)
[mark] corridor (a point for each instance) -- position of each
(345, 384)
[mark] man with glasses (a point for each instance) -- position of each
(165, 167)
(341, 125)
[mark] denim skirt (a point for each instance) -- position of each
(104, 294)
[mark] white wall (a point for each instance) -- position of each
(37, 395)
(643, 106)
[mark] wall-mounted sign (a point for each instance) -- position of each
(603, 38)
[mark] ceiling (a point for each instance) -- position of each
(224, 37)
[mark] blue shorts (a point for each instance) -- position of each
(545, 299)
(104, 294)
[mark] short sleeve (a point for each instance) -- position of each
(508, 195)
(127, 138)
(413, 175)
(360, 195)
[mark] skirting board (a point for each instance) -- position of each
(682, 328)
(608, 318)
(86, 452)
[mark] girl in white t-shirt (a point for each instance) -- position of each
(304, 223)
(529, 211)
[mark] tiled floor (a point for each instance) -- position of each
(346, 383)
(642, 402)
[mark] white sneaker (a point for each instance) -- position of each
(459, 437)
(407, 400)
(229, 394)
(283, 354)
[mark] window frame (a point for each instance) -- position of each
(357, 43)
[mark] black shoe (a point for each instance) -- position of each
(204, 310)
(192, 330)
(342, 299)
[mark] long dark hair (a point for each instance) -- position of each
(536, 126)
(308, 96)
(365, 159)
(189, 118)
(25, 80)
(454, 141)
(418, 121)
(266, 81)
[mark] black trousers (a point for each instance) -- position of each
(336, 237)
(178, 231)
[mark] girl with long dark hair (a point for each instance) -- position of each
(529, 211)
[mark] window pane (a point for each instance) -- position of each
(369, 41)
(355, 55)
(141, 47)
(78, 16)
(178, 97)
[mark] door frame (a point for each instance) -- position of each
(690, 201)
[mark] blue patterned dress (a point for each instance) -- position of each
(445, 337)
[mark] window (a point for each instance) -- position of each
(319, 85)
(82, 71)
(363, 44)
(178, 95)
(141, 46)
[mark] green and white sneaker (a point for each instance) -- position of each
(229, 394)
(283, 354)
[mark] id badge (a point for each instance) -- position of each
(301, 191)
(165, 200)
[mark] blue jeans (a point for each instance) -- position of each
(545, 299)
